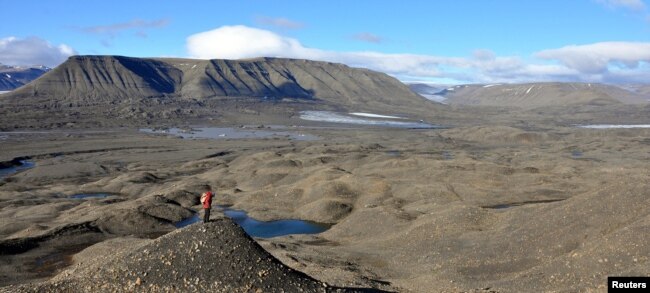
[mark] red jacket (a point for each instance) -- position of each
(208, 200)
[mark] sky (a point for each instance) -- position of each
(450, 42)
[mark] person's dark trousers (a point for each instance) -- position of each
(206, 215)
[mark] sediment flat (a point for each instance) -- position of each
(471, 208)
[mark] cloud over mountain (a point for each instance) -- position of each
(32, 51)
(596, 58)
(599, 62)
(606, 61)
(237, 42)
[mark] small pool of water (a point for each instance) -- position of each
(90, 195)
(232, 133)
(614, 126)
(262, 229)
(333, 117)
(23, 165)
(575, 154)
(60, 258)
(393, 153)
(270, 229)
(447, 155)
(371, 115)
(502, 206)
(188, 221)
(518, 204)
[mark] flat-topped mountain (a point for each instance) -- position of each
(534, 95)
(116, 78)
(151, 88)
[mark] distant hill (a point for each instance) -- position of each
(12, 77)
(162, 87)
(534, 95)
(425, 88)
(640, 89)
(429, 91)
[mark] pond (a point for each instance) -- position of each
(232, 133)
(393, 153)
(60, 258)
(262, 229)
(576, 154)
(354, 118)
(18, 166)
(614, 126)
(518, 204)
(90, 195)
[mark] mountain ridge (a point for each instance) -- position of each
(13, 77)
(146, 89)
(120, 76)
(535, 95)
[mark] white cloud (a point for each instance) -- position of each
(33, 51)
(636, 5)
(598, 57)
(236, 42)
(239, 42)
(600, 62)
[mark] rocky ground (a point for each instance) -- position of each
(213, 257)
(475, 208)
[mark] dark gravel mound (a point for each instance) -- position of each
(214, 257)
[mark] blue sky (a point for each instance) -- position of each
(437, 41)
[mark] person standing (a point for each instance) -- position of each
(206, 200)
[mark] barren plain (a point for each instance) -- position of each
(469, 208)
